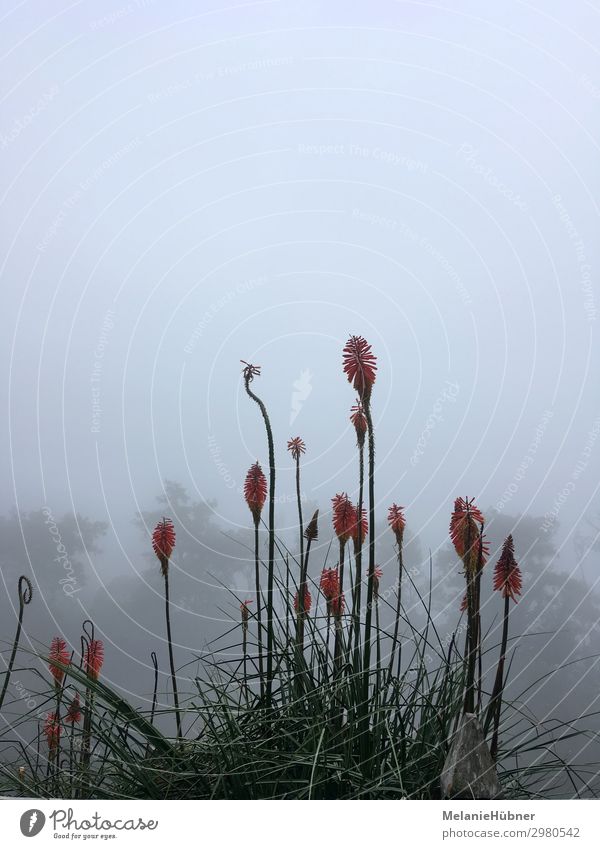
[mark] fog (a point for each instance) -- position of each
(190, 185)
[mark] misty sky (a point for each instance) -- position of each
(189, 184)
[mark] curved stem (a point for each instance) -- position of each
(25, 594)
(155, 691)
(271, 559)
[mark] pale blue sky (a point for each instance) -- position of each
(189, 184)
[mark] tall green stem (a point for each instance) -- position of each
(271, 560)
(171, 659)
(397, 619)
(261, 673)
(495, 705)
(358, 559)
(371, 573)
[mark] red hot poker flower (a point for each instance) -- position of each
(74, 710)
(312, 529)
(507, 575)
(359, 420)
(250, 371)
(360, 365)
(363, 526)
(330, 587)
(58, 652)
(94, 658)
(465, 532)
(52, 730)
(296, 447)
(255, 491)
(377, 575)
(344, 517)
(397, 522)
(245, 611)
(163, 542)
(307, 600)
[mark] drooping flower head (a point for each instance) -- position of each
(163, 542)
(465, 531)
(94, 658)
(397, 522)
(245, 611)
(359, 420)
(255, 491)
(507, 575)
(360, 365)
(52, 730)
(296, 447)
(250, 371)
(312, 529)
(74, 710)
(344, 517)
(307, 600)
(330, 587)
(58, 653)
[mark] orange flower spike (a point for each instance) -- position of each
(344, 517)
(330, 587)
(245, 611)
(360, 366)
(58, 653)
(312, 529)
(163, 542)
(465, 532)
(255, 491)
(363, 526)
(359, 420)
(507, 575)
(74, 710)
(397, 522)
(296, 447)
(52, 730)
(307, 601)
(94, 658)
